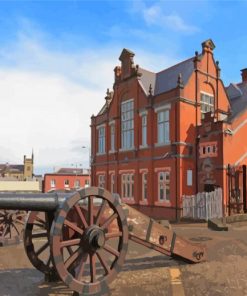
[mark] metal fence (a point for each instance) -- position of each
(203, 205)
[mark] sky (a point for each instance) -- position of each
(57, 60)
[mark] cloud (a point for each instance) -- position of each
(154, 15)
(48, 95)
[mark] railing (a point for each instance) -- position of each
(203, 205)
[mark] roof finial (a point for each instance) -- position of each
(180, 81)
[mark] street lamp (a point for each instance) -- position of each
(89, 170)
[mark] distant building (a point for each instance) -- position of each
(21, 172)
(67, 179)
(20, 186)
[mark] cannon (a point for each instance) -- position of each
(82, 237)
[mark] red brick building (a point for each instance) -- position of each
(154, 140)
(67, 179)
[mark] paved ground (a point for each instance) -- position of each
(147, 272)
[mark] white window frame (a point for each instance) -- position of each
(144, 130)
(163, 126)
(144, 186)
(189, 177)
(207, 103)
(112, 137)
(53, 183)
(162, 185)
(101, 180)
(66, 183)
(77, 183)
(112, 182)
(101, 139)
(127, 125)
(127, 185)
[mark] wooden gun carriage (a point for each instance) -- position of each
(82, 237)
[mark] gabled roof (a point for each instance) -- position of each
(238, 98)
(167, 79)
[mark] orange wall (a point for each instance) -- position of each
(60, 179)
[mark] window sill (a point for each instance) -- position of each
(143, 202)
(162, 144)
(128, 200)
(112, 151)
(100, 153)
(165, 203)
(141, 147)
(127, 149)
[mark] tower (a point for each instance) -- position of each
(28, 167)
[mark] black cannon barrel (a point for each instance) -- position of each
(44, 202)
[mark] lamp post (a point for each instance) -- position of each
(89, 170)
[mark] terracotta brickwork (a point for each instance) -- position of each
(179, 147)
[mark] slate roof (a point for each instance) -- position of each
(72, 171)
(238, 98)
(167, 79)
(19, 168)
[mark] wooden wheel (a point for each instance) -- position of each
(36, 242)
(11, 226)
(90, 257)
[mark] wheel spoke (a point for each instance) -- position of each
(73, 226)
(92, 268)
(71, 259)
(109, 220)
(69, 243)
(41, 250)
(111, 250)
(70, 250)
(39, 234)
(81, 266)
(41, 221)
(103, 263)
(4, 231)
(79, 212)
(37, 224)
(20, 222)
(49, 261)
(113, 235)
(18, 232)
(101, 211)
(90, 209)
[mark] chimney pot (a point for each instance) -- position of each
(244, 75)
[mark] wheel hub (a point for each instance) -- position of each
(93, 239)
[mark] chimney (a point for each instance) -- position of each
(244, 75)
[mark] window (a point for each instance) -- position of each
(66, 183)
(207, 104)
(127, 124)
(101, 143)
(53, 183)
(101, 181)
(144, 186)
(144, 130)
(77, 183)
(163, 126)
(164, 186)
(112, 183)
(86, 183)
(127, 185)
(112, 126)
(189, 177)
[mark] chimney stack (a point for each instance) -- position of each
(244, 75)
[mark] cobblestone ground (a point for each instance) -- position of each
(146, 272)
